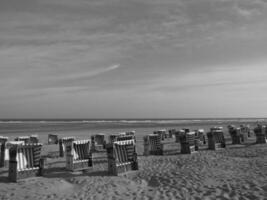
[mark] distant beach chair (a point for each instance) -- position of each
(62, 142)
(122, 157)
(78, 155)
(245, 129)
(172, 133)
(162, 133)
(153, 145)
(238, 136)
(200, 136)
(260, 133)
(216, 138)
(188, 143)
(34, 139)
(52, 139)
(98, 142)
(24, 161)
(3, 141)
(26, 139)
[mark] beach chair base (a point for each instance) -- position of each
(15, 175)
(216, 146)
(116, 169)
(79, 165)
(187, 149)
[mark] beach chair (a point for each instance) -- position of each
(62, 142)
(52, 139)
(3, 141)
(153, 145)
(260, 133)
(122, 157)
(200, 136)
(216, 139)
(237, 136)
(245, 129)
(98, 142)
(78, 155)
(188, 143)
(171, 133)
(26, 139)
(162, 133)
(34, 139)
(24, 161)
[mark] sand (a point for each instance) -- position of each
(237, 172)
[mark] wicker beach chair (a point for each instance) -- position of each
(3, 141)
(122, 157)
(188, 143)
(24, 161)
(237, 135)
(216, 139)
(52, 139)
(120, 137)
(153, 145)
(62, 143)
(172, 133)
(78, 155)
(260, 133)
(98, 142)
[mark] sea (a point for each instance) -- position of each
(84, 128)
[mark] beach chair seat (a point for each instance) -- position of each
(62, 143)
(260, 133)
(188, 143)
(122, 157)
(52, 139)
(153, 145)
(78, 155)
(24, 161)
(98, 142)
(3, 141)
(216, 139)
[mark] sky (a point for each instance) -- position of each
(133, 58)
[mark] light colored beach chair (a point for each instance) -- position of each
(188, 143)
(98, 142)
(62, 142)
(78, 155)
(216, 139)
(3, 141)
(52, 139)
(162, 133)
(260, 133)
(24, 161)
(26, 139)
(153, 145)
(122, 157)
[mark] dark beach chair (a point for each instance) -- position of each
(188, 143)
(24, 161)
(216, 139)
(162, 133)
(78, 155)
(3, 141)
(52, 139)
(153, 145)
(98, 142)
(122, 157)
(260, 133)
(62, 142)
(237, 135)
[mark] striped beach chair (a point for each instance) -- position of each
(153, 145)
(78, 155)
(216, 139)
(188, 143)
(98, 142)
(52, 139)
(261, 134)
(62, 142)
(237, 135)
(26, 139)
(3, 141)
(122, 157)
(24, 161)
(120, 137)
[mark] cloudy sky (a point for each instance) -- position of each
(133, 58)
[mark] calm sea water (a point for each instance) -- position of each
(84, 128)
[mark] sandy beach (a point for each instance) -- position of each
(237, 172)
